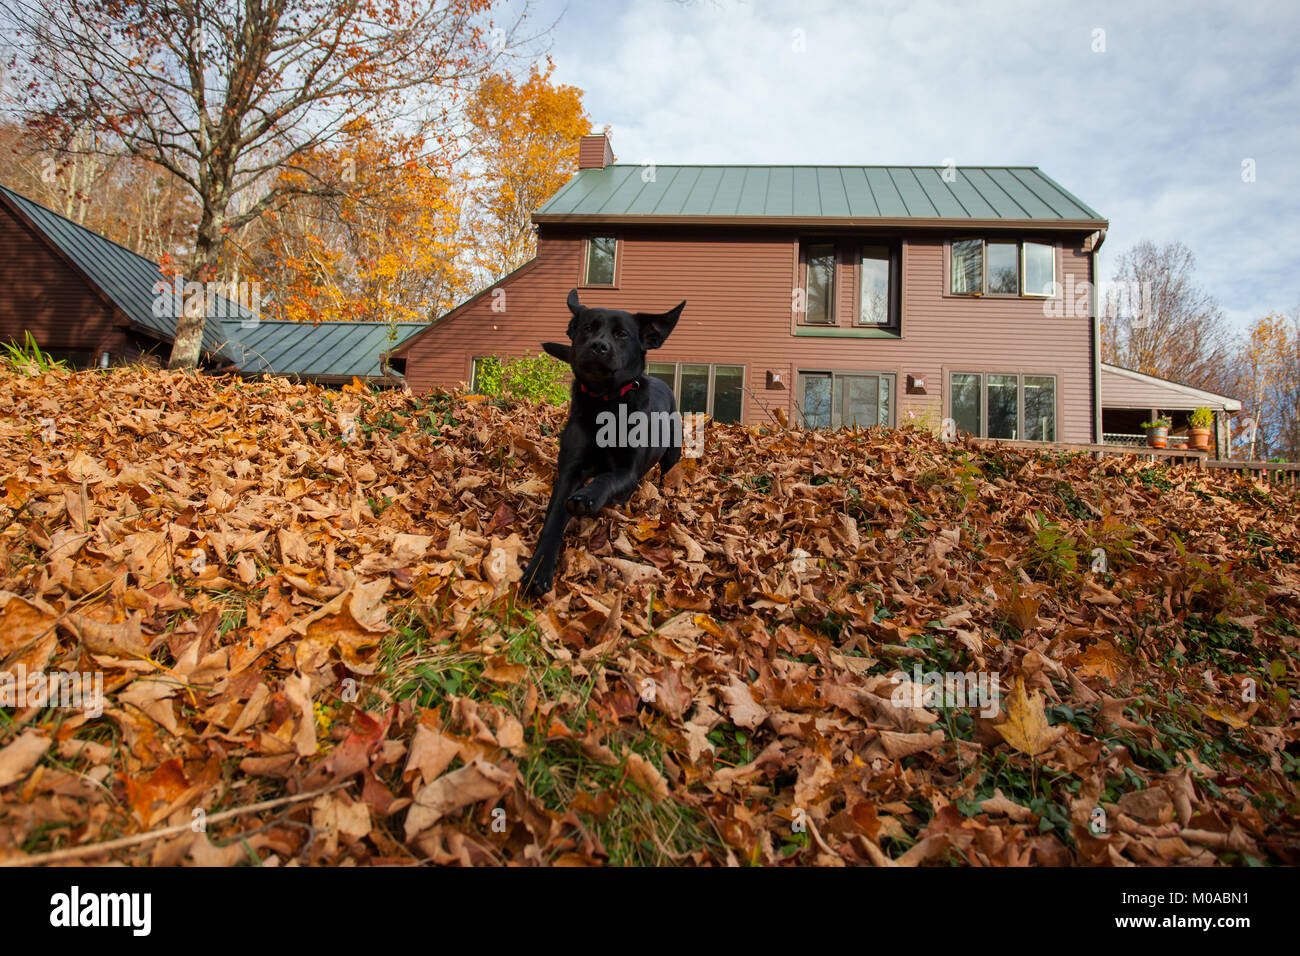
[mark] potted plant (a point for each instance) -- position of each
(1157, 431)
(1201, 421)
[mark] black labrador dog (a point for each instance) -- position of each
(610, 391)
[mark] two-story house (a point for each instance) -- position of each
(840, 294)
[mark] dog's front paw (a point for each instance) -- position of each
(538, 577)
(582, 503)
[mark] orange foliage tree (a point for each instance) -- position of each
(383, 243)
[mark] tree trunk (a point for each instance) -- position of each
(191, 322)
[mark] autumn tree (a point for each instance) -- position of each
(386, 245)
(1267, 368)
(229, 96)
(525, 135)
(1157, 320)
(129, 200)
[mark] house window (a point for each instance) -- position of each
(876, 287)
(1003, 405)
(74, 358)
(1004, 268)
(967, 267)
(601, 255)
(716, 390)
(485, 375)
(1001, 267)
(1039, 269)
(837, 399)
(819, 285)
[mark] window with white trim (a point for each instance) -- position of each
(1002, 267)
(1012, 406)
(716, 390)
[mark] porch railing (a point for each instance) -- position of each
(1286, 474)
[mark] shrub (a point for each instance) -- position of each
(537, 378)
(1201, 418)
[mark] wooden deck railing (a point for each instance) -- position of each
(1179, 455)
(1272, 472)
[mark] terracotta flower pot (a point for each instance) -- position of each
(1200, 439)
(1158, 437)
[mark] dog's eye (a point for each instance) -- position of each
(620, 334)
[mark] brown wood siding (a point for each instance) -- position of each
(43, 295)
(738, 287)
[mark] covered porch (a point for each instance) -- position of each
(1129, 398)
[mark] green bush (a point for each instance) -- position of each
(537, 378)
(1202, 418)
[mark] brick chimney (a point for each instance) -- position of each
(595, 152)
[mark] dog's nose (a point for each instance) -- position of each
(600, 348)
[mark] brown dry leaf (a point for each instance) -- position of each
(473, 783)
(19, 757)
(153, 697)
(744, 711)
(646, 776)
(23, 621)
(1026, 727)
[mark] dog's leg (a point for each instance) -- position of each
(540, 573)
(609, 486)
(672, 455)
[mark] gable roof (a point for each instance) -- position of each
(1124, 388)
(125, 278)
(848, 195)
(326, 350)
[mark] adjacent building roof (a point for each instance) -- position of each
(323, 351)
(130, 281)
(1125, 388)
(911, 195)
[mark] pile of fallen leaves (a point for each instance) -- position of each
(303, 608)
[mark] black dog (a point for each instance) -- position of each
(608, 361)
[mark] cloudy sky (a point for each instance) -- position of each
(1144, 110)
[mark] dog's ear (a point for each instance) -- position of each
(562, 352)
(575, 307)
(656, 328)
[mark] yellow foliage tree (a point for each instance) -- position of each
(525, 135)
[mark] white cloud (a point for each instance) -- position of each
(1150, 132)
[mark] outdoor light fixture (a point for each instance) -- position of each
(915, 385)
(774, 379)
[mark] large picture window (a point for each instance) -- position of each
(1010, 406)
(716, 390)
(839, 399)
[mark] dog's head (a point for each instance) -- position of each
(609, 345)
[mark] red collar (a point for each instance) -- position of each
(629, 387)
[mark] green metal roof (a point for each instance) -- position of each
(985, 193)
(129, 280)
(323, 350)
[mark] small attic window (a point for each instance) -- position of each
(601, 253)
